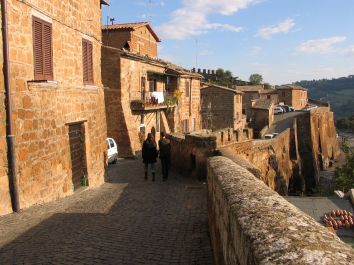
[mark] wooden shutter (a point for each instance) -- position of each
(47, 51)
(42, 49)
(87, 62)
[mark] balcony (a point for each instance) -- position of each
(153, 101)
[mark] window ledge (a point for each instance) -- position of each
(41, 84)
(90, 87)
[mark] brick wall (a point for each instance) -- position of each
(141, 40)
(116, 38)
(223, 109)
(188, 107)
(5, 201)
(41, 111)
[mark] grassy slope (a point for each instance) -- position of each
(340, 93)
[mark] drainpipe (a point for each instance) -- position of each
(10, 137)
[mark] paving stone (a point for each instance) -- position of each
(125, 221)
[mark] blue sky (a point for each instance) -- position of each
(283, 40)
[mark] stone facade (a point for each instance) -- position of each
(123, 74)
(287, 163)
(134, 37)
(43, 111)
(249, 93)
(251, 224)
(221, 108)
(293, 96)
(262, 113)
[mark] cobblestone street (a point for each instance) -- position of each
(126, 221)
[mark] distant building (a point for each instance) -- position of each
(221, 108)
(292, 95)
(136, 37)
(262, 114)
(250, 93)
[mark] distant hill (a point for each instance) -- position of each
(339, 92)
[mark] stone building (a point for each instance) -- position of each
(221, 108)
(249, 93)
(58, 112)
(270, 94)
(293, 95)
(143, 95)
(262, 114)
(136, 37)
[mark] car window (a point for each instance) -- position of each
(111, 143)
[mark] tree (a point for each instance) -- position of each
(256, 79)
(267, 86)
(224, 78)
(344, 175)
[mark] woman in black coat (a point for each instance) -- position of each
(149, 154)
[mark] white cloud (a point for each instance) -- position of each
(283, 27)
(192, 18)
(349, 51)
(321, 46)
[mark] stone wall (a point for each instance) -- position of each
(43, 110)
(251, 224)
(293, 159)
(189, 153)
(272, 158)
(5, 201)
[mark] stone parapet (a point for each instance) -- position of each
(251, 224)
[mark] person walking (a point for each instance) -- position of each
(149, 154)
(165, 155)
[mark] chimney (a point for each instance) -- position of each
(204, 71)
(208, 71)
(213, 72)
(199, 70)
(193, 70)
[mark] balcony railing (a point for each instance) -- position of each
(153, 101)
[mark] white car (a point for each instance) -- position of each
(268, 136)
(112, 149)
(278, 110)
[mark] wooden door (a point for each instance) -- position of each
(77, 140)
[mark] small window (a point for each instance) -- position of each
(42, 49)
(87, 62)
(187, 88)
(268, 96)
(152, 85)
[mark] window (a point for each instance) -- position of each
(87, 62)
(268, 96)
(187, 88)
(42, 49)
(152, 85)
(185, 126)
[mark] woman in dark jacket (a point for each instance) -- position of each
(149, 154)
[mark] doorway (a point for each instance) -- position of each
(77, 154)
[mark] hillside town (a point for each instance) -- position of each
(78, 101)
